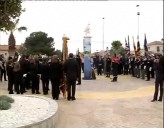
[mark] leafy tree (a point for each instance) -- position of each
(11, 41)
(117, 48)
(39, 43)
(122, 51)
(59, 53)
(10, 11)
(22, 50)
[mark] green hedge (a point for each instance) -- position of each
(5, 102)
(4, 105)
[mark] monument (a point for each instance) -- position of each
(65, 48)
(63, 58)
(87, 53)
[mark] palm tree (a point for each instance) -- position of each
(11, 40)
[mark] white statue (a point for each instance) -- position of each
(87, 30)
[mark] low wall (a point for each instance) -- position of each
(30, 111)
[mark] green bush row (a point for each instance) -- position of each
(5, 102)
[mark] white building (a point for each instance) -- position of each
(4, 50)
(155, 47)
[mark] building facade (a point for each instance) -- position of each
(4, 49)
(155, 47)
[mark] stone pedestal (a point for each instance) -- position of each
(87, 57)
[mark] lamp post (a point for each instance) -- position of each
(103, 34)
(162, 40)
(138, 14)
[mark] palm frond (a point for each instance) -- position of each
(22, 28)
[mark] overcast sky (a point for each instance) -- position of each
(71, 17)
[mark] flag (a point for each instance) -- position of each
(138, 46)
(134, 46)
(128, 43)
(145, 45)
(127, 47)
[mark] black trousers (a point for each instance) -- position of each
(148, 74)
(10, 84)
(99, 70)
(132, 71)
(35, 84)
(126, 69)
(71, 88)
(45, 85)
(79, 79)
(27, 81)
(158, 83)
(82, 67)
(3, 74)
(55, 88)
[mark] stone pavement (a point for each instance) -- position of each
(104, 104)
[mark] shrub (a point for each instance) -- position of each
(4, 105)
(5, 102)
(6, 98)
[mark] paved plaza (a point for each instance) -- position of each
(104, 104)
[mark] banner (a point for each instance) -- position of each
(87, 57)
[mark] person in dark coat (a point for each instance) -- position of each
(71, 69)
(34, 71)
(44, 70)
(142, 68)
(108, 66)
(126, 65)
(120, 66)
(115, 62)
(159, 72)
(56, 75)
(24, 64)
(25, 67)
(78, 59)
(18, 75)
(100, 65)
(10, 75)
(132, 65)
(2, 68)
(148, 68)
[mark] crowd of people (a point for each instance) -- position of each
(29, 70)
(145, 67)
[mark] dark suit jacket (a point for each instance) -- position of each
(71, 69)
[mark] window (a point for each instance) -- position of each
(158, 49)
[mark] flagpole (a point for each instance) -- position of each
(103, 34)
(138, 14)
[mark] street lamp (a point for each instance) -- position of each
(103, 34)
(138, 14)
(162, 40)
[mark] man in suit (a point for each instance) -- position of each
(71, 69)
(159, 72)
